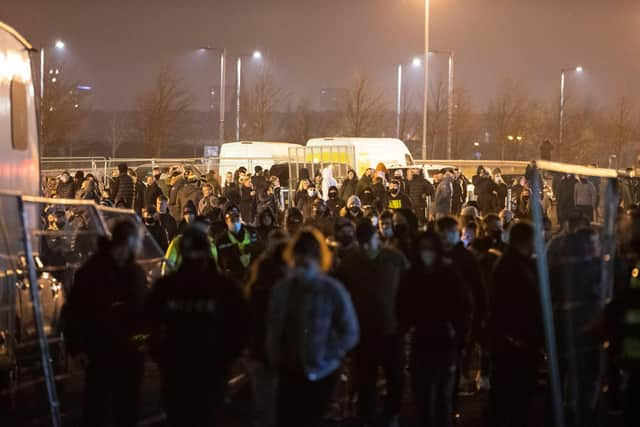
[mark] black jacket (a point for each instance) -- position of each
(151, 193)
(514, 303)
(104, 309)
(418, 188)
(373, 285)
(439, 306)
(124, 190)
(349, 188)
(138, 196)
(334, 206)
(234, 258)
(198, 322)
(486, 190)
(170, 225)
(463, 262)
(399, 201)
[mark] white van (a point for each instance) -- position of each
(252, 153)
(370, 151)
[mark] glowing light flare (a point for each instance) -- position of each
(59, 44)
(257, 54)
(579, 69)
(13, 66)
(416, 62)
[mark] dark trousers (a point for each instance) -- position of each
(432, 382)
(194, 401)
(113, 383)
(301, 402)
(587, 211)
(631, 398)
(513, 383)
(371, 353)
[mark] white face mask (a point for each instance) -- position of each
(387, 233)
(374, 221)
(311, 192)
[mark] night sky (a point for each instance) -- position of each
(117, 46)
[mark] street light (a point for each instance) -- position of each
(577, 69)
(59, 45)
(416, 62)
(426, 79)
(256, 55)
(223, 84)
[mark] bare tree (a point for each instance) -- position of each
(116, 133)
(408, 121)
(162, 108)
(462, 117)
(437, 117)
(303, 122)
(506, 114)
(622, 125)
(62, 114)
(363, 107)
(264, 97)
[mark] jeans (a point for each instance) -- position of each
(301, 402)
(371, 353)
(433, 379)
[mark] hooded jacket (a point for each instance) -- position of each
(349, 186)
(327, 181)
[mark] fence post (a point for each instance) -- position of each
(34, 290)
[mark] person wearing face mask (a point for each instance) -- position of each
(349, 185)
(396, 198)
(367, 199)
(344, 239)
(103, 319)
(335, 203)
(166, 220)
(237, 246)
(353, 210)
(385, 227)
(293, 221)
(463, 261)
(198, 322)
(305, 202)
(65, 188)
(500, 189)
(372, 275)
(188, 215)
(153, 190)
(433, 300)
(173, 255)
(152, 222)
(265, 223)
(515, 330)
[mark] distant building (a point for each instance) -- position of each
(332, 99)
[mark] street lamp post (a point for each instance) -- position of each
(450, 102)
(577, 69)
(223, 85)
(399, 102)
(256, 55)
(426, 79)
(59, 44)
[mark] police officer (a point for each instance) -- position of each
(237, 245)
(198, 322)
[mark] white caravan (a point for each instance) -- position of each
(370, 151)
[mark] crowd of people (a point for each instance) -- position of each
(350, 281)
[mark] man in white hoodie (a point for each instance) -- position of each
(328, 181)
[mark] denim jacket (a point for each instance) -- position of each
(311, 320)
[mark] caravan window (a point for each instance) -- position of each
(19, 128)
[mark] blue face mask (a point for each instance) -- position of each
(235, 227)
